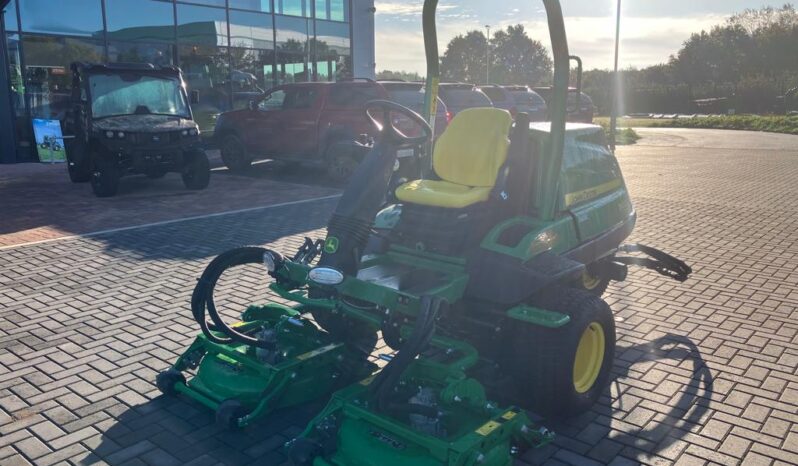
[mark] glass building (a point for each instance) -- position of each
(229, 50)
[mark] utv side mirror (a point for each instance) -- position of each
(253, 104)
(194, 97)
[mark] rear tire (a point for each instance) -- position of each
(196, 171)
(234, 154)
(592, 282)
(105, 174)
(562, 372)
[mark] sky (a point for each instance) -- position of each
(651, 30)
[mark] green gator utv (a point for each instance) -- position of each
(484, 277)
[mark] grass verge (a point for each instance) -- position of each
(772, 124)
(623, 136)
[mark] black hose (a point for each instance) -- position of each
(423, 330)
(202, 298)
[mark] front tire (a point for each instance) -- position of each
(196, 171)
(562, 372)
(105, 174)
(234, 154)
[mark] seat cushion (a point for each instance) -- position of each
(473, 147)
(441, 194)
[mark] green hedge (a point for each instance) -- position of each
(773, 124)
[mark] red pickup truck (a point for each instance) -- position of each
(307, 123)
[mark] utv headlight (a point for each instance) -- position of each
(109, 134)
(120, 135)
(194, 131)
(184, 132)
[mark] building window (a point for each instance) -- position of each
(74, 18)
(10, 16)
(206, 69)
(322, 9)
(254, 5)
(144, 20)
(339, 10)
(292, 49)
(291, 7)
(331, 51)
(251, 30)
(140, 52)
(252, 74)
(201, 25)
(219, 3)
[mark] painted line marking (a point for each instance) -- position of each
(169, 222)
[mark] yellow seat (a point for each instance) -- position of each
(467, 159)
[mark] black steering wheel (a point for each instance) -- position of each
(387, 128)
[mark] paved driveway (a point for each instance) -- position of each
(705, 370)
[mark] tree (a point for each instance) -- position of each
(401, 75)
(518, 59)
(515, 58)
(464, 59)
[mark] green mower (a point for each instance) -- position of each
(484, 276)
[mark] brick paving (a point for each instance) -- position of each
(37, 201)
(705, 371)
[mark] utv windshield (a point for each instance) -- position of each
(114, 95)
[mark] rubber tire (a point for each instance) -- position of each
(105, 176)
(598, 289)
(77, 173)
(341, 163)
(234, 154)
(166, 380)
(541, 360)
(196, 171)
(228, 413)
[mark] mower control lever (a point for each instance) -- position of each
(387, 127)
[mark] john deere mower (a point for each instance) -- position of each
(483, 276)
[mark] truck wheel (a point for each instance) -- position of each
(562, 372)
(234, 154)
(105, 176)
(196, 171)
(341, 162)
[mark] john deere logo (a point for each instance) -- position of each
(331, 245)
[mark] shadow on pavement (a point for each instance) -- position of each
(600, 436)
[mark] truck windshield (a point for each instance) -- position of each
(113, 95)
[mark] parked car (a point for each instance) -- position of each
(583, 113)
(529, 102)
(411, 95)
(459, 96)
(317, 123)
(131, 118)
(500, 97)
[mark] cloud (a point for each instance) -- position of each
(645, 40)
(399, 8)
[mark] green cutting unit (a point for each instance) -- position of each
(483, 276)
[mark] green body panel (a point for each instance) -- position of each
(310, 368)
(537, 316)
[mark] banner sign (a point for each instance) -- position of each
(49, 140)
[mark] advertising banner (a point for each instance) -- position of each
(49, 140)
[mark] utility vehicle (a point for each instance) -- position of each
(486, 289)
(130, 118)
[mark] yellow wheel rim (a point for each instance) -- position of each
(589, 357)
(589, 281)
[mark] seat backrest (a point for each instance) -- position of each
(473, 148)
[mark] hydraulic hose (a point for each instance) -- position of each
(202, 298)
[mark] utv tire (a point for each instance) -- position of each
(228, 413)
(562, 372)
(166, 381)
(234, 154)
(77, 172)
(105, 176)
(196, 171)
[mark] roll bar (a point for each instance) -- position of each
(558, 101)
